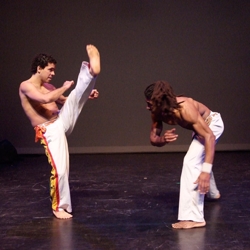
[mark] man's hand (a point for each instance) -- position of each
(203, 182)
(68, 84)
(94, 94)
(61, 100)
(170, 135)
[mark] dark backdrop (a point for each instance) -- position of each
(200, 47)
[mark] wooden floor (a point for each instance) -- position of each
(122, 201)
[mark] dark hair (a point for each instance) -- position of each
(162, 96)
(41, 60)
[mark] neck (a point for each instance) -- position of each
(36, 80)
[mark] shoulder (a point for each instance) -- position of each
(189, 111)
(184, 99)
(25, 84)
(187, 103)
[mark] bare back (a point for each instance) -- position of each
(189, 109)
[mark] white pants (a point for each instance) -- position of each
(191, 202)
(55, 142)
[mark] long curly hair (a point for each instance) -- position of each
(163, 98)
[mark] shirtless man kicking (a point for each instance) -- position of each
(197, 177)
(40, 101)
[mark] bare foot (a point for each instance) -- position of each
(94, 59)
(62, 215)
(186, 224)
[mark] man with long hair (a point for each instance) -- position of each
(197, 177)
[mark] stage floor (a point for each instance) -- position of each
(122, 201)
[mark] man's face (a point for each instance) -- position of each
(149, 105)
(47, 73)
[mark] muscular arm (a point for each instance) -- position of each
(191, 115)
(93, 95)
(208, 137)
(155, 134)
(29, 90)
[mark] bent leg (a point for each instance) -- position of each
(191, 202)
(217, 127)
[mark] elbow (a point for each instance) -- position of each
(157, 141)
(211, 138)
(46, 100)
(156, 144)
(152, 142)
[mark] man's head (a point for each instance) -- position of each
(41, 61)
(160, 98)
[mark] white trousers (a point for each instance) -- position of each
(55, 142)
(191, 202)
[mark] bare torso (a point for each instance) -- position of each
(37, 112)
